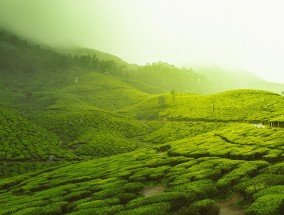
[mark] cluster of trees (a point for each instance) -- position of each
(91, 62)
(168, 77)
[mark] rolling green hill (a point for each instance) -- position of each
(92, 133)
(23, 140)
(92, 91)
(237, 105)
(83, 132)
(25, 146)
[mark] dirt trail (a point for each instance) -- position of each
(151, 191)
(229, 207)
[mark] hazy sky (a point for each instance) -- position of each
(245, 34)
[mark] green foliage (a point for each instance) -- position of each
(23, 140)
(92, 133)
(271, 204)
(271, 190)
(108, 210)
(244, 170)
(238, 105)
(115, 184)
(252, 186)
(204, 207)
(167, 131)
(77, 130)
(157, 209)
(168, 77)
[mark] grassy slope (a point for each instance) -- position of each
(93, 91)
(32, 132)
(79, 114)
(194, 171)
(75, 116)
(23, 140)
(93, 133)
(237, 105)
(25, 146)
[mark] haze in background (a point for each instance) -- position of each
(235, 34)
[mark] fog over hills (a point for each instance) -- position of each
(140, 31)
(133, 108)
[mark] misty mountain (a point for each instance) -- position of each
(22, 60)
(86, 51)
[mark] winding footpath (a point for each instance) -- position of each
(229, 207)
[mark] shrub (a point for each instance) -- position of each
(126, 197)
(98, 203)
(251, 186)
(271, 190)
(271, 204)
(133, 187)
(55, 208)
(204, 207)
(155, 209)
(109, 210)
(201, 189)
(176, 199)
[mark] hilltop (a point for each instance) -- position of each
(236, 105)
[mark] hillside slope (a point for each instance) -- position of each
(236, 105)
(192, 171)
(56, 106)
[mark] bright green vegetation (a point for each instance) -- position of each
(115, 184)
(237, 141)
(93, 133)
(86, 133)
(167, 77)
(195, 171)
(166, 131)
(237, 105)
(92, 91)
(64, 135)
(25, 146)
(23, 140)
(268, 201)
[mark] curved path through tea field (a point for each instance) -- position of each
(151, 191)
(229, 207)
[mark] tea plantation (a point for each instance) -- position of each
(84, 134)
(101, 161)
(237, 105)
(196, 173)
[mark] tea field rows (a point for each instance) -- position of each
(237, 105)
(196, 172)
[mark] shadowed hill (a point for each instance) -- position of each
(40, 78)
(100, 55)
